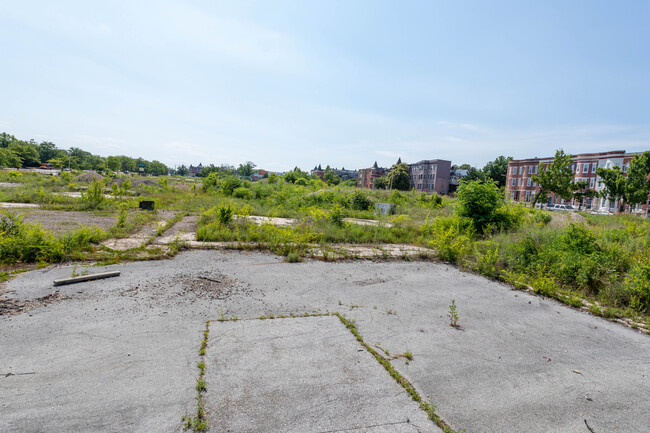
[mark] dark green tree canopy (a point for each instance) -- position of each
(399, 177)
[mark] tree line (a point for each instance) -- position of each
(25, 154)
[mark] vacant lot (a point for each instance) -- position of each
(121, 354)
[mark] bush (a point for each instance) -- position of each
(93, 197)
(360, 201)
(480, 201)
(242, 192)
(451, 238)
(229, 185)
(637, 285)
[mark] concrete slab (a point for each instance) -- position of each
(301, 375)
(492, 376)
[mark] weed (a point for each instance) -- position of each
(293, 257)
(401, 380)
(453, 315)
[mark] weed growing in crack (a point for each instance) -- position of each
(453, 315)
(428, 408)
(199, 422)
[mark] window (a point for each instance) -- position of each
(573, 167)
(536, 169)
(591, 182)
(585, 168)
(530, 169)
(625, 167)
(593, 167)
(527, 195)
(528, 182)
(513, 182)
(577, 168)
(514, 170)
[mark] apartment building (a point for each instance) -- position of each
(431, 175)
(521, 187)
(366, 176)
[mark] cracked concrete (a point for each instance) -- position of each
(121, 354)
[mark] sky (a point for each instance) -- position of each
(339, 83)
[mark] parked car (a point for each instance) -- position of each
(602, 211)
(561, 207)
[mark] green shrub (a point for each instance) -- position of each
(93, 197)
(637, 285)
(360, 201)
(451, 238)
(229, 185)
(484, 204)
(242, 192)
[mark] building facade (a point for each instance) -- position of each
(431, 175)
(366, 176)
(521, 187)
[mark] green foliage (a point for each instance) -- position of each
(27, 243)
(361, 201)
(451, 237)
(399, 177)
(243, 193)
(330, 177)
(556, 177)
(614, 183)
(453, 315)
(381, 182)
(637, 285)
(336, 216)
(637, 184)
(93, 197)
(497, 170)
(229, 184)
(484, 204)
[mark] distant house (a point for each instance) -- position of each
(259, 175)
(342, 173)
(431, 175)
(455, 176)
(194, 170)
(366, 176)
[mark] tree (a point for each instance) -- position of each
(638, 179)
(381, 182)
(182, 170)
(474, 174)
(26, 152)
(556, 177)
(399, 177)
(9, 158)
(615, 185)
(47, 150)
(331, 178)
(497, 170)
(580, 191)
(246, 169)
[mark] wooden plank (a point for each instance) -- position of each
(89, 277)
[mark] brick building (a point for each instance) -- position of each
(520, 186)
(366, 177)
(431, 175)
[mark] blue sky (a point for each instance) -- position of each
(345, 83)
